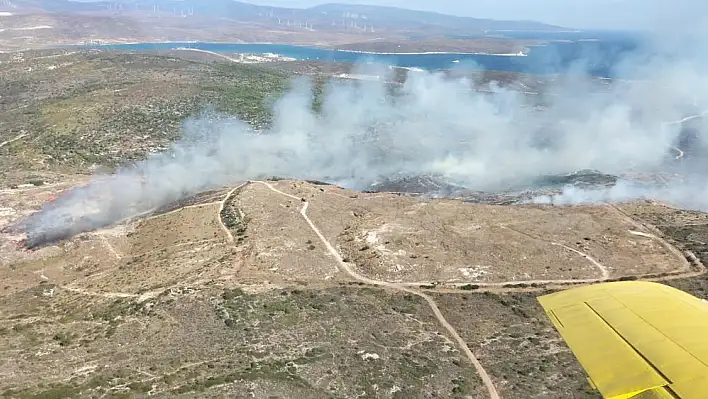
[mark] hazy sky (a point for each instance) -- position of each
(604, 14)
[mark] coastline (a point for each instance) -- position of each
(113, 42)
(245, 58)
(525, 61)
(521, 53)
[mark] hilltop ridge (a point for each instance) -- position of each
(395, 15)
(269, 284)
(386, 18)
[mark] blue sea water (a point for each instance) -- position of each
(597, 57)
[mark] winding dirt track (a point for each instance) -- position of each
(498, 286)
(222, 204)
(656, 236)
(433, 306)
(604, 272)
(215, 54)
(4, 143)
(407, 287)
(181, 209)
(110, 247)
(110, 295)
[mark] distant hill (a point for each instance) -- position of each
(59, 6)
(340, 26)
(391, 15)
(330, 17)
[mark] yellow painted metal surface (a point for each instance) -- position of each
(658, 393)
(635, 339)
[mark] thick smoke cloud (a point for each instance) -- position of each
(432, 124)
(669, 89)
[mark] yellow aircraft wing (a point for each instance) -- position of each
(635, 339)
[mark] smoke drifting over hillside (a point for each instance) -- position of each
(432, 125)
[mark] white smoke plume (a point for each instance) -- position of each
(431, 125)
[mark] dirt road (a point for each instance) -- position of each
(656, 235)
(4, 143)
(604, 272)
(491, 389)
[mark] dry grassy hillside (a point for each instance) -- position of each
(235, 292)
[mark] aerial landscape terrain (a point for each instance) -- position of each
(189, 223)
(31, 24)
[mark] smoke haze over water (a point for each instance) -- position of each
(433, 125)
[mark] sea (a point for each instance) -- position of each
(561, 52)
